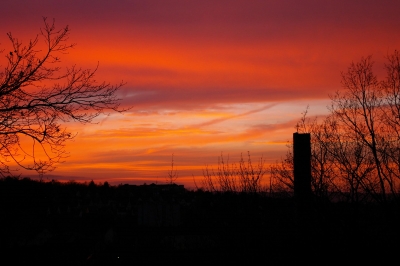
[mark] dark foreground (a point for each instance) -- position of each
(54, 224)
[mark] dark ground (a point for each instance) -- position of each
(48, 223)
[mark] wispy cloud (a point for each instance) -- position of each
(223, 119)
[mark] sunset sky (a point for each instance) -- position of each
(203, 77)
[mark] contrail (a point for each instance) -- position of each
(219, 120)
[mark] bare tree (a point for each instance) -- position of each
(347, 159)
(37, 96)
(391, 120)
(222, 179)
(250, 175)
(172, 174)
(358, 110)
(322, 166)
(282, 176)
(356, 148)
(230, 177)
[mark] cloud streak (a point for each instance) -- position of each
(223, 119)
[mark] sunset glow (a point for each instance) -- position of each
(203, 78)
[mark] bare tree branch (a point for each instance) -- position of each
(37, 96)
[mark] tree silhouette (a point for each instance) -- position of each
(244, 176)
(172, 173)
(356, 148)
(37, 96)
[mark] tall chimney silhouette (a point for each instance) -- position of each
(302, 164)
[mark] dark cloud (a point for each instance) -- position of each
(251, 19)
(151, 99)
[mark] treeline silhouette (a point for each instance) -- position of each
(73, 223)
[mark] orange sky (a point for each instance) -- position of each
(203, 77)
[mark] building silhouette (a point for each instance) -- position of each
(302, 165)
